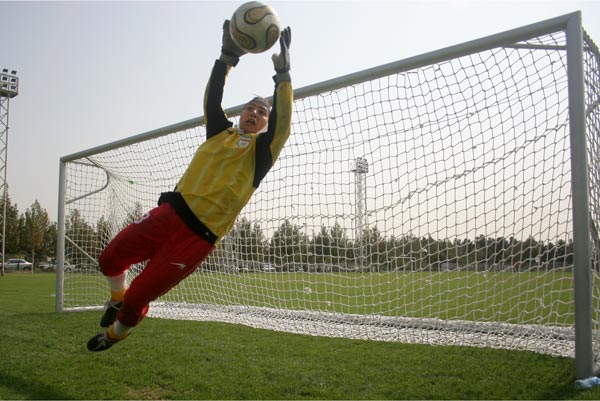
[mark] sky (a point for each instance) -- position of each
(91, 73)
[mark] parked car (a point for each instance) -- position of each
(268, 268)
(51, 266)
(17, 264)
(47, 266)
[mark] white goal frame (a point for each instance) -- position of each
(582, 341)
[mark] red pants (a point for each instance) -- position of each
(173, 252)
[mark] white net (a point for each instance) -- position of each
(429, 205)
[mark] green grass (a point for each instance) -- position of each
(456, 295)
(43, 356)
(544, 298)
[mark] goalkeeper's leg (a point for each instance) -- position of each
(181, 251)
(135, 243)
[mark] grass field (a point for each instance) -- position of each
(506, 297)
(521, 298)
(43, 356)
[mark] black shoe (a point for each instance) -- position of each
(111, 308)
(100, 342)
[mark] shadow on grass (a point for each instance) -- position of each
(29, 388)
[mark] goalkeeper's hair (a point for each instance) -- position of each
(260, 100)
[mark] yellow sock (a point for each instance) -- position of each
(118, 295)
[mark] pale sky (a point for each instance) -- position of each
(96, 72)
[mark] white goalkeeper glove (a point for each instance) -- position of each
(281, 60)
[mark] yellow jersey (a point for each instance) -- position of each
(228, 167)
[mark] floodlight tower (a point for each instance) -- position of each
(361, 167)
(9, 88)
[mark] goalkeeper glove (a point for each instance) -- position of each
(281, 61)
(230, 52)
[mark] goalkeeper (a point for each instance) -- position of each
(178, 235)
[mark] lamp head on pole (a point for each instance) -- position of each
(9, 83)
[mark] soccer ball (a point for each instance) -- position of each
(254, 27)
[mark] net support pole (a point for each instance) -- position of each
(60, 240)
(579, 187)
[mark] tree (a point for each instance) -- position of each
(50, 240)
(248, 242)
(133, 214)
(321, 245)
(286, 243)
(77, 227)
(339, 243)
(103, 236)
(12, 237)
(375, 247)
(36, 226)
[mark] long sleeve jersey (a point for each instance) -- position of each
(229, 166)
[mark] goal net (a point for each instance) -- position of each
(424, 201)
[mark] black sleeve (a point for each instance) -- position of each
(269, 144)
(264, 158)
(215, 118)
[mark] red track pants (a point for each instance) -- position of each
(172, 250)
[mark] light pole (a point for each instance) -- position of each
(360, 170)
(9, 88)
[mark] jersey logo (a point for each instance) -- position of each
(244, 142)
(179, 265)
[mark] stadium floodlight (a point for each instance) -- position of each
(9, 88)
(9, 83)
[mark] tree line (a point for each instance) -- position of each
(29, 235)
(33, 236)
(331, 249)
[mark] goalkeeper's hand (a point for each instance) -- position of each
(230, 52)
(281, 60)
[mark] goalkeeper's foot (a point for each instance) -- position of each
(100, 342)
(111, 308)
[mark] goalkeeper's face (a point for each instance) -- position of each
(254, 118)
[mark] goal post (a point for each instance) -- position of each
(450, 198)
(582, 255)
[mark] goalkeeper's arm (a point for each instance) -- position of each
(270, 143)
(215, 118)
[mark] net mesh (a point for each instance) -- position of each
(431, 205)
